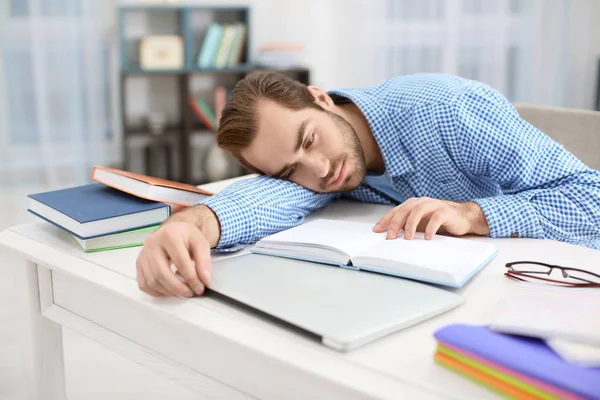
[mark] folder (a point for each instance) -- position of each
(519, 355)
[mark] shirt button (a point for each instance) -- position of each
(514, 235)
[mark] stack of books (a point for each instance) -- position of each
(515, 366)
(121, 209)
(222, 46)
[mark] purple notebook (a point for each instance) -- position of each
(528, 356)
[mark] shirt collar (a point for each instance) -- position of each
(383, 129)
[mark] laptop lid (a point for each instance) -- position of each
(345, 308)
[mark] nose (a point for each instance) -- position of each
(319, 164)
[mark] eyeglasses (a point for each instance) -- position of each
(533, 271)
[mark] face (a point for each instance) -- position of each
(317, 149)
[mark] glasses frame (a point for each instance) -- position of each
(522, 275)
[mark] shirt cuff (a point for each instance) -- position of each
(511, 216)
(235, 222)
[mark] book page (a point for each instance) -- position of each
(345, 236)
(447, 257)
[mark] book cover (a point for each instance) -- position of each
(207, 112)
(150, 180)
(94, 210)
(234, 57)
(94, 202)
(208, 123)
(512, 378)
(210, 45)
(528, 356)
(220, 61)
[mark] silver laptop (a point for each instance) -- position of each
(344, 308)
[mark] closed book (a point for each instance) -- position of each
(527, 356)
(207, 113)
(148, 187)
(210, 46)
(442, 260)
(135, 237)
(235, 54)
(220, 99)
(94, 210)
(222, 56)
(208, 123)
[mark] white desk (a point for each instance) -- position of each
(223, 351)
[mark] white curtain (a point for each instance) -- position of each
(56, 118)
(536, 51)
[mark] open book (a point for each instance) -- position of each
(442, 260)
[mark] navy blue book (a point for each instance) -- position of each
(96, 210)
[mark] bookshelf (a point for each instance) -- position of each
(190, 24)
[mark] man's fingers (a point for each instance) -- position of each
(166, 277)
(435, 222)
(416, 214)
(180, 256)
(143, 283)
(396, 223)
(383, 224)
(200, 250)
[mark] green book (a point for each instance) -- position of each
(114, 241)
(207, 112)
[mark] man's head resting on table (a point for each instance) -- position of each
(282, 128)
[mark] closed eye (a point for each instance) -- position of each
(290, 172)
(310, 141)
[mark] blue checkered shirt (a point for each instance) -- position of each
(448, 138)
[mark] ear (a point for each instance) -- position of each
(321, 98)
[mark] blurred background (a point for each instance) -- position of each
(139, 85)
(74, 89)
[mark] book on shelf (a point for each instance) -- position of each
(222, 58)
(134, 237)
(210, 45)
(220, 99)
(149, 188)
(237, 47)
(441, 260)
(203, 112)
(222, 46)
(95, 210)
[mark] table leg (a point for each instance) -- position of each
(41, 339)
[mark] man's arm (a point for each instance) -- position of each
(548, 193)
(253, 208)
(242, 213)
(203, 218)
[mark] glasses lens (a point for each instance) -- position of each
(531, 267)
(573, 276)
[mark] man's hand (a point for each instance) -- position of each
(433, 215)
(185, 240)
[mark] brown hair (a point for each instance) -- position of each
(238, 123)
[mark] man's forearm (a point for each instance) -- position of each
(204, 218)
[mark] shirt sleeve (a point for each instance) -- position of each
(546, 191)
(253, 208)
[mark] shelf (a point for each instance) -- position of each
(191, 23)
(238, 69)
